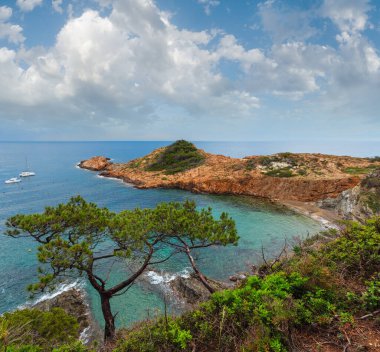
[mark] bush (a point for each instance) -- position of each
(285, 172)
(177, 157)
(371, 297)
(354, 170)
(270, 305)
(306, 292)
(357, 250)
(250, 164)
(41, 330)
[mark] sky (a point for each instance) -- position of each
(234, 70)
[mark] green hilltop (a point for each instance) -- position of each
(177, 157)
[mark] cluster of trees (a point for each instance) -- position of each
(177, 157)
(76, 238)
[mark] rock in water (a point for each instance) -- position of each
(96, 163)
(192, 290)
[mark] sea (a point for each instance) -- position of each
(260, 224)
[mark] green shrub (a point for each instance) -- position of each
(250, 164)
(177, 157)
(284, 172)
(305, 292)
(371, 297)
(354, 170)
(302, 172)
(266, 160)
(357, 250)
(25, 348)
(270, 304)
(43, 330)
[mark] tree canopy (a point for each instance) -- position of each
(76, 237)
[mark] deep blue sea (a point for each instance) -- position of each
(57, 179)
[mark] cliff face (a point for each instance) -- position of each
(358, 203)
(284, 176)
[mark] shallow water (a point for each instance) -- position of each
(57, 179)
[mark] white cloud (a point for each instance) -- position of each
(5, 13)
(284, 23)
(28, 5)
(133, 65)
(57, 5)
(349, 15)
(9, 31)
(130, 59)
(208, 5)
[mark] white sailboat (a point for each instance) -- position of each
(12, 180)
(27, 173)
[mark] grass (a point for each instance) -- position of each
(353, 170)
(177, 157)
(284, 172)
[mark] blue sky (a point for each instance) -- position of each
(195, 69)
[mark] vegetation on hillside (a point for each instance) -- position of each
(353, 170)
(177, 157)
(291, 164)
(371, 191)
(32, 330)
(283, 172)
(326, 294)
(315, 297)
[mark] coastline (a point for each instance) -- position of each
(301, 182)
(328, 219)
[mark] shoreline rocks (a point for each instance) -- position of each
(74, 302)
(358, 203)
(192, 291)
(96, 163)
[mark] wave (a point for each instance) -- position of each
(85, 335)
(116, 179)
(156, 278)
(77, 284)
(326, 224)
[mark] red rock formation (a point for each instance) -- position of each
(224, 175)
(96, 163)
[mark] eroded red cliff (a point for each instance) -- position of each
(313, 176)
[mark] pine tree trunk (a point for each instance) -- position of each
(109, 320)
(198, 273)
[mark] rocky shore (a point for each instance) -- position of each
(74, 302)
(321, 186)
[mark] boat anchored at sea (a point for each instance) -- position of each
(27, 173)
(12, 180)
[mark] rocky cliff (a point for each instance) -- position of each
(283, 176)
(358, 203)
(96, 163)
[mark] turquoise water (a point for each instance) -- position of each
(258, 222)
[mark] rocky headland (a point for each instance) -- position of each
(318, 181)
